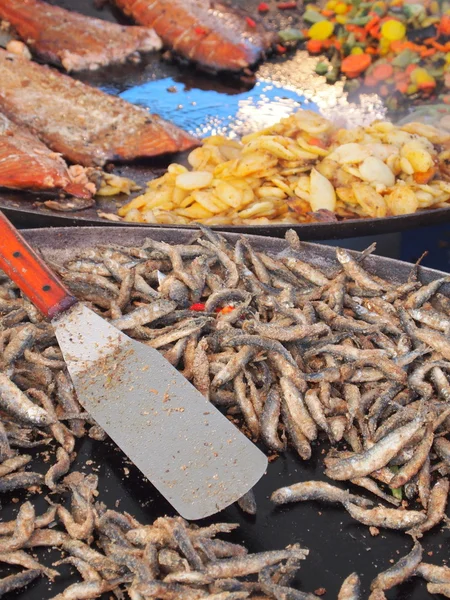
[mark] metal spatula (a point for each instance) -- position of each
(193, 455)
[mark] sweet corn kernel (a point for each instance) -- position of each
(341, 19)
(434, 8)
(357, 50)
(331, 5)
(341, 8)
(321, 30)
(384, 46)
(420, 76)
(393, 30)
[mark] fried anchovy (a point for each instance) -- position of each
(400, 571)
(409, 469)
(247, 503)
(389, 518)
(433, 573)
(316, 490)
(14, 401)
(242, 566)
(22, 559)
(264, 344)
(351, 588)
(437, 503)
(439, 588)
(22, 480)
(360, 465)
(356, 272)
(18, 581)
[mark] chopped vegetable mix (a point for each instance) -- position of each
(399, 47)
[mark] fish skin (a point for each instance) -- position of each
(215, 36)
(83, 123)
(26, 163)
(72, 40)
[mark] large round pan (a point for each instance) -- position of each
(338, 545)
(290, 72)
(22, 213)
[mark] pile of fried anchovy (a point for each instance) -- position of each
(291, 353)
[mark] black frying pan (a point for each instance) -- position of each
(338, 545)
(25, 209)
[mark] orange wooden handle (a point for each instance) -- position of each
(30, 273)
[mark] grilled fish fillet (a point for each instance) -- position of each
(27, 164)
(73, 40)
(83, 123)
(215, 36)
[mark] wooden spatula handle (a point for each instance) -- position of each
(21, 263)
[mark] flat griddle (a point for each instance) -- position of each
(338, 545)
(294, 73)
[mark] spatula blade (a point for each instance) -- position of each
(193, 455)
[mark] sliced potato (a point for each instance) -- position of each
(282, 174)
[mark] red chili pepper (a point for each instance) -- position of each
(200, 31)
(281, 49)
(286, 5)
(263, 7)
(198, 306)
(250, 22)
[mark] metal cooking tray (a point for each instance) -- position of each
(292, 72)
(338, 545)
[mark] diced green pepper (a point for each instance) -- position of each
(351, 85)
(291, 35)
(413, 10)
(333, 75)
(405, 58)
(379, 10)
(360, 21)
(312, 16)
(397, 493)
(322, 68)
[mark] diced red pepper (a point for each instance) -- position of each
(263, 7)
(225, 310)
(281, 49)
(313, 141)
(200, 31)
(250, 22)
(444, 25)
(286, 5)
(198, 306)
